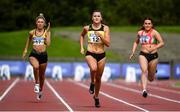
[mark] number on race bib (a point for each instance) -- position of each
(144, 39)
(93, 38)
(38, 41)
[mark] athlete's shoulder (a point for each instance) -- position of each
(86, 27)
(154, 31)
(140, 32)
(106, 27)
(47, 32)
(31, 32)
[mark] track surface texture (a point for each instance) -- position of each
(68, 95)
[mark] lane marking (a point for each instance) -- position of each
(9, 88)
(158, 88)
(165, 90)
(137, 91)
(58, 96)
(111, 97)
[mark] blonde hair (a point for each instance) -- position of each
(41, 16)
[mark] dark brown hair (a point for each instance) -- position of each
(147, 18)
(102, 21)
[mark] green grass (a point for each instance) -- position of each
(177, 84)
(13, 43)
(162, 29)
(169, 29)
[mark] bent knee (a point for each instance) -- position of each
(36, 67)
(144, 71)
(150, 77)
(94, 69)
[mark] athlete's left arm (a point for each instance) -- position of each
(106, 39)
(48, 28)
(48, 38)
(159, 39)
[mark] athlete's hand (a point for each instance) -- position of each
(131, 56)
(82, 51)
(97, 34)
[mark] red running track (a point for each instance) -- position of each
(68, 95)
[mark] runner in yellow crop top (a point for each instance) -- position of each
(98, 37)
(150, 41)
(95, 44)
(40, 38)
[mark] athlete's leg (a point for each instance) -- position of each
(42, 69)
(98, 76)
(152, 66)
(144, 68)
(100, 69)
(34, 62)
(92, 63)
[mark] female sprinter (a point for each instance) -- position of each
(40, 38)
(98, 37)
(150, 41)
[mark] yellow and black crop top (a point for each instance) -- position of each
(39, 40)
(92, 38)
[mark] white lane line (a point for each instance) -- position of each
(58, 96)
(9, 88)
(165, 90)
(137, 91)
(153, 86)
(111, 97)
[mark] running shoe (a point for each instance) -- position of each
(97, 103)
(91, 88)
(39, 95)
(144, 93)
(36, 88)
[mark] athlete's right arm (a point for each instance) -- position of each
(83, 33)
(135, 44)
(27, 44)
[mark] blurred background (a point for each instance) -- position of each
(67, 17)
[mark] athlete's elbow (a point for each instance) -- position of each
(108, 44)
(162, 44)
(48, 44)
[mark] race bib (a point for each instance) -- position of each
(38, 41)
(144, 39)
(93, 38)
